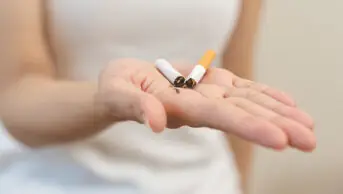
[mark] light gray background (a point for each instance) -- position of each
(300, 50)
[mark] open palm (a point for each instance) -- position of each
(221, 101)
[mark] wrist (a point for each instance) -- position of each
(101, 110)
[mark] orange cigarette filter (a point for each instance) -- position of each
(207, 59)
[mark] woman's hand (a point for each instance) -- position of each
(134, 90)
(260, 101)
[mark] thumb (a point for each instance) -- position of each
(128, 102)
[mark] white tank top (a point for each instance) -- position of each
(87, 34)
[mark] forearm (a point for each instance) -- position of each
(39, 111)
(243, 152)
(239, 54)
(238, 58)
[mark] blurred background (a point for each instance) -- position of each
(300, 50)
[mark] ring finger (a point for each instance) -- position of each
(271, 104)
(298, 136)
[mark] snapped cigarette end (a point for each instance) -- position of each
(190, 83)
(173, 76)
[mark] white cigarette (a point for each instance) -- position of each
(197, 73)
(173, 76)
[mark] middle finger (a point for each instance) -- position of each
(271, 104)
(298, 135)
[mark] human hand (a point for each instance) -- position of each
(135, 90)
(261, 102)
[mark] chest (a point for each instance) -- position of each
(86, 34)
(136, 21)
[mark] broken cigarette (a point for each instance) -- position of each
(200, 69)
(173, 76)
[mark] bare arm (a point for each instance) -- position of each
(40, 109)
(238, 58)
(36, 107)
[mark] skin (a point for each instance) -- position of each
(132, 89)
(238, 58)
